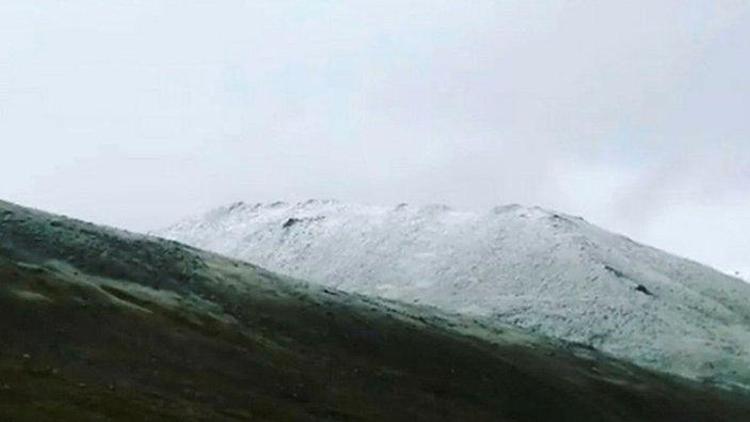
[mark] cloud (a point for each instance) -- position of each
(138, 113)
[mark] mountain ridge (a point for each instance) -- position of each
(539, 269)
(100, 324)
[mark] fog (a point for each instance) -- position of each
(633, 115)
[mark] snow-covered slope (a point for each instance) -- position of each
(548, 272)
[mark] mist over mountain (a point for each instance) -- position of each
(619, 291)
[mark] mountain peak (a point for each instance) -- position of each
(529, 266)
(74, 296)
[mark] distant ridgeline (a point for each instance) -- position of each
(545, 271)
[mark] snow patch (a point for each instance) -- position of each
(548, 272)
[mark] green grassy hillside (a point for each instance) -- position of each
(97, 324)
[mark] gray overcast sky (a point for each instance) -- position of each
(633, 114)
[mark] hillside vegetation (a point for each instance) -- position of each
(99, 324)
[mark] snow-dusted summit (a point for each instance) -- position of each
(545, 271)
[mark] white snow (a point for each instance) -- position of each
(550, 273)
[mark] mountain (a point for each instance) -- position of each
(541, 270)
(101, 324)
